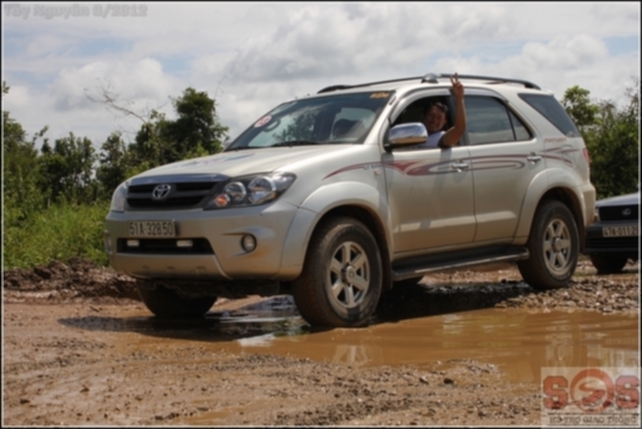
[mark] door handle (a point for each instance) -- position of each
(460, 165)
(533, 158)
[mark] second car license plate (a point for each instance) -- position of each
(620, 231)
(164, 228)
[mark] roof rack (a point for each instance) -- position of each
(433, 78)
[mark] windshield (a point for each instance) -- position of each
(344, 118)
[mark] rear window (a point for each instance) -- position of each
(489, 121)
(552, 110)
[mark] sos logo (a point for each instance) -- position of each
(591, 390)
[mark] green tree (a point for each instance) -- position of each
(21, 172)
(67, 170)
(197, 129)
(611, 135)
(114, 164)
(196, 132)
(578, 105)
(614, 146)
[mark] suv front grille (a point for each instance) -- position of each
(618, 212)
(139, 203)
(185, 192)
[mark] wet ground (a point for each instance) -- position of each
(462, 348)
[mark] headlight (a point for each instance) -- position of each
(252, 190)
(119, 198)
(596, 215)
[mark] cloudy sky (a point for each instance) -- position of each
(251, 56)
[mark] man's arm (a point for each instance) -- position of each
(452, 136)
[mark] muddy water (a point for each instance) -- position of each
(519, 342)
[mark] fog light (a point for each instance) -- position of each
(248, 243)
(184, 243)
(133, 243)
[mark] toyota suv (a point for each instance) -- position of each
(329, 198)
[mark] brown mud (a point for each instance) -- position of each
(461, 348)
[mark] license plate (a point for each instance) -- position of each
(620, 231)
(163, 228)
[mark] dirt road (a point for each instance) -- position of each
(79, 350)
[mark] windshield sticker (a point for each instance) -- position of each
(264, 120)
(379, 94)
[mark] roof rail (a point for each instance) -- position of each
(433, 78)
(334, 88)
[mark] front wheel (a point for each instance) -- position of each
(554, 248)
(342, 275)
(168, 304)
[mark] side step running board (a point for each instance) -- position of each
(422, 269)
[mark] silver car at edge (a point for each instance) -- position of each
(328, 198)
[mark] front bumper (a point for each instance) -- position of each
(224, 230)
(597, 243)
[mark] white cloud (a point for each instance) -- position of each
(252, 56)
(565, 53)
(142, 82)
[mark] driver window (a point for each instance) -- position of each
(415, 111)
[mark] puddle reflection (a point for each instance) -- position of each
(519, 343)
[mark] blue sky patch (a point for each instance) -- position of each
(623, 45)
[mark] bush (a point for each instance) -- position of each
(58, 233)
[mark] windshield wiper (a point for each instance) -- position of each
(295, 143)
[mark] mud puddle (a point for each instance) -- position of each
(518, 342)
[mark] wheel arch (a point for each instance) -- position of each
(562, 193)
(359, 201)
(376, 227)
(570, 200)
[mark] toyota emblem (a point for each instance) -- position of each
(161, 192)
(626, 212)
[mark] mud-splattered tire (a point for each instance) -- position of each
(341, 281)
(167, 304)
(554, 248)
(608, 264)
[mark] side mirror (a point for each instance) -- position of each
(406, 134)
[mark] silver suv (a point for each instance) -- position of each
(330, 199)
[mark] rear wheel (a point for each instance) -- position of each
(168, 304)
(342, 276)
(554, 248)
(608, 264)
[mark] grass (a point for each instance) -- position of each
(57, 233)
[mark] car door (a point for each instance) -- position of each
(505, 158)
(430, 194)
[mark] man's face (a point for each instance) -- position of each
(435, 119)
